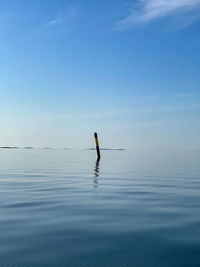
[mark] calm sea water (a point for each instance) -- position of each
(62, 208)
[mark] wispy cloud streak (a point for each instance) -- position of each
(65, 17)
(148, 10)
(58, 24)
(55, 21)
(125, 112)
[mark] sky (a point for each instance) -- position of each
(128, 69)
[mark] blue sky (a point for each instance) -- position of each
(127, 69)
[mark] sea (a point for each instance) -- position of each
(61, 208)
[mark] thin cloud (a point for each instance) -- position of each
(68, 16)
(132, 112)
(59, 23)
(147, 11)
(55, 21)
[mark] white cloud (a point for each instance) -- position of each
(149, 10)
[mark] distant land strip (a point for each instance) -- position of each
(121, 149)
(65, 148)
(9, 147)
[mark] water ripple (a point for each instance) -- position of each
(63, 209)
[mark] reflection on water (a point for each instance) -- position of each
(146, 212)
(96, 173)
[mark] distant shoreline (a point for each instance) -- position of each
(121, 149)
(46, 148)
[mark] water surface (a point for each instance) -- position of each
(62, 208)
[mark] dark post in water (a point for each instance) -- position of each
(97, 146)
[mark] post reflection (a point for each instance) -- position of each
(96, 173)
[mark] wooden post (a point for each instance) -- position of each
(97, 146)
